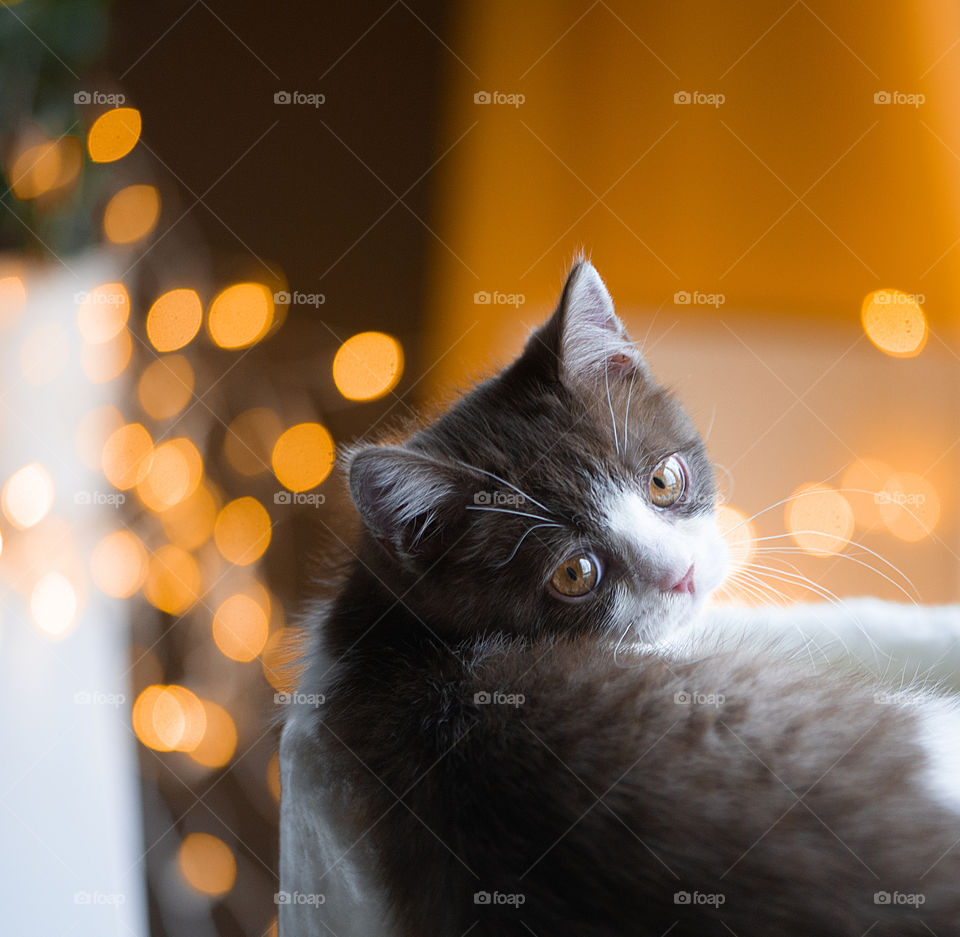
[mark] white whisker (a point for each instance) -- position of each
(503, 481)
(520, 541)
(613, 419)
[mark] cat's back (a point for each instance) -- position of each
(506, 784)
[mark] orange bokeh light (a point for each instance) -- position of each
(219, 740)
(169, 718)
(119, 564)
(303, 456)
(13, 300)
(174, 319)
(240, 315)
(103, 312)
(124, 453)
(240, 627)
(894, 322)
(207, 863)
(165, 386)
(242, 531)
(114, 134)
(131, 214)
(909, 506)
(27, 496)
(819, 519)
(367, 366)
(173, 580)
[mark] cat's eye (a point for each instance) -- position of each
(667, 482)
(576, 575)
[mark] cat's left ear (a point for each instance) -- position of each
(593, 344)
(584, 341)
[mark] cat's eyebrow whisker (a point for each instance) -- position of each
(523, 537)
(503, 481)
(613, 419)
(626, 416)
(536, 517)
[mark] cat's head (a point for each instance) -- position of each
(569, 492)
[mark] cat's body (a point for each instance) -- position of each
(507, 741)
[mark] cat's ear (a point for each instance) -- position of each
(401, 496)
(593, 341)
(584, 341)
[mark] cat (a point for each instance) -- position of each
(494, 735)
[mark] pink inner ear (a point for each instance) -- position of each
(621, 360)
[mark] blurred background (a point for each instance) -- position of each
(234, 237)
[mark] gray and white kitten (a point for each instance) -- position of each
(491, 736)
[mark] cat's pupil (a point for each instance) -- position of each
(572, 573)
(659, 482)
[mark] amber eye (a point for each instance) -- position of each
(577, 575)
(667, 482)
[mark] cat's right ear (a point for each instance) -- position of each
(401, 496)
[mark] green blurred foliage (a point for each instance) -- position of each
(47, 49)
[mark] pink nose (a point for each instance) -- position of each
(684, 584)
